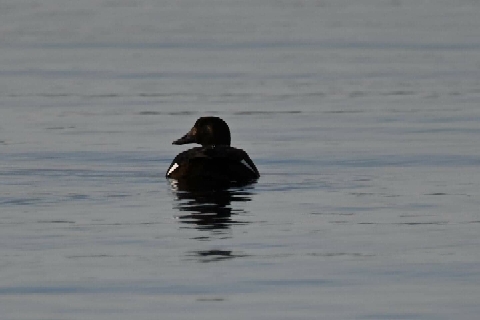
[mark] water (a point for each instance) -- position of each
(362, 117)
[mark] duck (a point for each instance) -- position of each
(215, 161)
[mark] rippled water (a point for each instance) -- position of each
(362, 117)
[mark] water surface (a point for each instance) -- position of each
(362, 117)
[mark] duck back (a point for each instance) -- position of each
(214, 164)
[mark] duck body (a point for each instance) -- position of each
(215, 162)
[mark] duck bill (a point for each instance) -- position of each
(188, 138)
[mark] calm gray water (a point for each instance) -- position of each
(362, 116)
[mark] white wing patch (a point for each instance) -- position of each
(247, 165)
(174, 166)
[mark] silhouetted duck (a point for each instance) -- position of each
(215, 162)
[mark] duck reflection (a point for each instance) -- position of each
(210, 207)
(213, 255)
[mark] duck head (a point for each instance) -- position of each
(207, 131)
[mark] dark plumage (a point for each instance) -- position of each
(215, 161)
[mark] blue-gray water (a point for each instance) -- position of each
(362, 117)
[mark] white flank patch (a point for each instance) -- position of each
(175, 166)
(247, 165)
